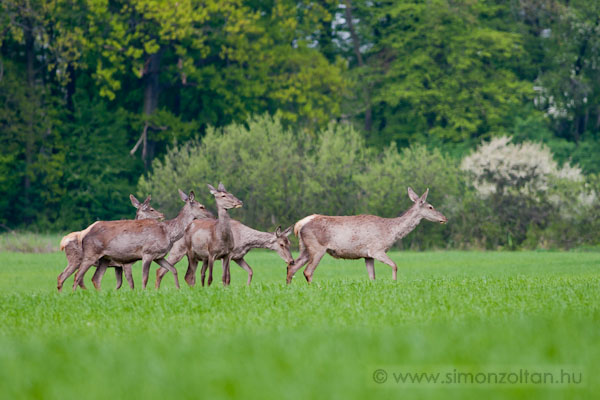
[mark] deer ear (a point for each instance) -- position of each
(192, 196)
(412, 195)
(288, 231)
(134, 201)
(182, 195)
(222, 187)
(424, 197)
(147, 201)
(212, 189)
(278, 231)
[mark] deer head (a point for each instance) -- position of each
(425, 209)
(192, 207)
(281, 244)
(223, 198)
(145, 210)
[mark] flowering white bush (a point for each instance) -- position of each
(526, 168)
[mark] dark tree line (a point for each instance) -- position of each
(92, 91)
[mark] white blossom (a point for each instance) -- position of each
(527, 167)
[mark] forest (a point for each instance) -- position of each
(300, 107)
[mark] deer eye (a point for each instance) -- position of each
(431, 207)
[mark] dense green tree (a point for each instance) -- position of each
(93, 92)
(30, 65)
(435, 69)
(570, 84)
(217, 61)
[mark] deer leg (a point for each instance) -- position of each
(242, 263)
(100, 270)
(302, 259)
(74, 256)
(83, 267)
(165, 264)
(159, 275)
(228, 269)
(62, 277)
(175, 255)
(128, 275)
(370, 263)
(386, 260)
(211, 262)
(68, 271)
(190, 274)
(226, 275)
(160, 272)
(312, 265)
(118, 277)
(203, 270)
(97, 278)
(145, 270)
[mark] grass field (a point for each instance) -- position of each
(449, 311)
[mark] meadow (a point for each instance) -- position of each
(448, 311)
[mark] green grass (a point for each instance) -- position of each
(473, 311)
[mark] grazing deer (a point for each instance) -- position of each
(357, 236)
(195, 244)
(71, 244)
(128, 241)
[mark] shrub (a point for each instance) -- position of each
(503, 195)
(280, 175)
(525, 169)
(524, 187)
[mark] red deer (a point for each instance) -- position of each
(128, 241)
(357, 236)
(71, 244)
(220, 242)
(196, 240)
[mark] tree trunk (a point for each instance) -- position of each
(326, 33)
(70, 89)
(151, 93)
(30, 134)
(359, 60)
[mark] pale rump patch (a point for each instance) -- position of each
(79, 235)
(67, 238)
(303, 222)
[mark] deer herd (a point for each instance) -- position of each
(196, 233)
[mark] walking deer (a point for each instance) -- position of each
(71, 244)
(97, 278)
(357, 236)
(195, 244)
(128, 241)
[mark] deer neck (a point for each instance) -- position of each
(176, 226)
(253, 239)
(404, 224)
(223, 222)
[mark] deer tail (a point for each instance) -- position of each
(68, 238)
(303, 222)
